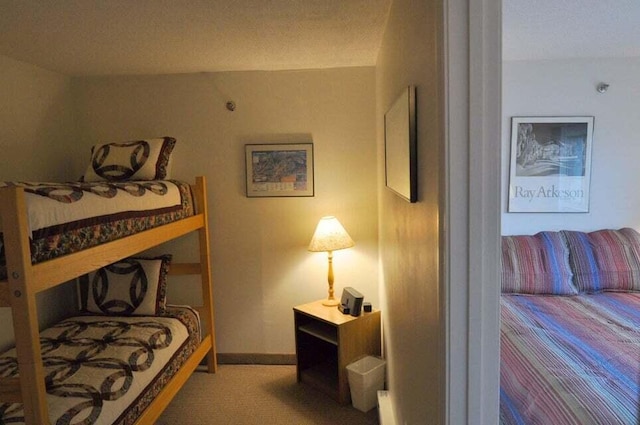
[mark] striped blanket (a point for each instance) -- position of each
(570, 360)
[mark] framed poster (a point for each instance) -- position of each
(400, 146)
(279, 170)
(550, 165)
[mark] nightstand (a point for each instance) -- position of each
(327, 341)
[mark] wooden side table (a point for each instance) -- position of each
(327, 341)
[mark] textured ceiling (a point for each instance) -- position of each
(97, 37)
(552, 29)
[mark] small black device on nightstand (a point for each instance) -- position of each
(351, 302)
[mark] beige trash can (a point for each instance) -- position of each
(366, 377)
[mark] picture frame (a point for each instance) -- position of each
(400, 146)
(279, 170)
(550, 164)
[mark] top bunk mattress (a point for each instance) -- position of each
(68, 217)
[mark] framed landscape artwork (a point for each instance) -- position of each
(550, 165)
(275, 170)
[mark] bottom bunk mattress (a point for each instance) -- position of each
(107, 369)
(570, 360)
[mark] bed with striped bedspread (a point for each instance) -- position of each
(570, 359)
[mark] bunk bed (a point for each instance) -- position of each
(29, 271)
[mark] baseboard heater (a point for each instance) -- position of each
(385, 409)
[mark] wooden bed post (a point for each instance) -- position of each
(23, 306)
(205, 273)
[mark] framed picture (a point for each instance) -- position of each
(550, 167)
(400, 146)
(279, 170)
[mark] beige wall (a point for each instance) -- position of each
(36, 129)
(36, 122)
(410, 233)
(261, 266)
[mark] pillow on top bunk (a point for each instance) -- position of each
(537, 264)
(133, 286)
(605, 260)
(134, 160)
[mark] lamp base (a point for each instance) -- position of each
(330, 303)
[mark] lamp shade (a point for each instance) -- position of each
(330, 236)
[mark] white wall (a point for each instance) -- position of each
(261, 266)
(36, 130)
(568, 87)
(410, 234)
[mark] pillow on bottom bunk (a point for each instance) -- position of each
(133, 286)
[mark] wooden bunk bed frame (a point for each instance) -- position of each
(26, 280)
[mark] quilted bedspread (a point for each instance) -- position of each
(570, 360)
(106, 369)
(69, 217)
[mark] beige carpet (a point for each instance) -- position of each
(257, 394)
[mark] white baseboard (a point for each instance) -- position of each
(385, 409)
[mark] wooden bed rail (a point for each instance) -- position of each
(207, 315)
(181, 269)
(51, 273)
(24, 308)
(5, 298)
(10, 390)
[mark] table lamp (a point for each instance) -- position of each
(330, 236)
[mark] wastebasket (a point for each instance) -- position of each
(366, 377)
